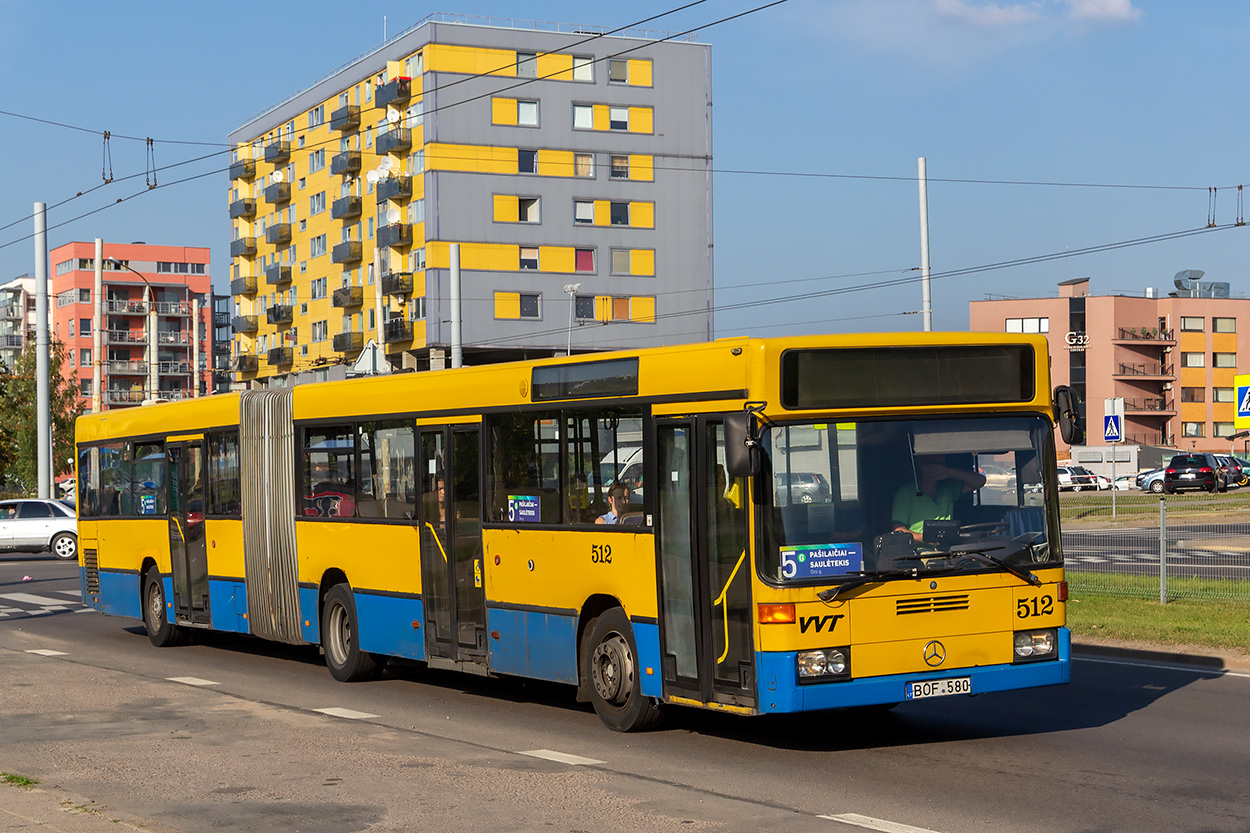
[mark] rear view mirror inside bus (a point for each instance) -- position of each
(742, 453)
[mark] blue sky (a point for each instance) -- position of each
(1099, 92)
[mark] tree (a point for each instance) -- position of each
(19, 456)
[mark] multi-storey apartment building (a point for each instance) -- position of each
(573, 171)
(155, 312)
(17, 318)
(1171, 358)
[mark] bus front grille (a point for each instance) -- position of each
(930, 604)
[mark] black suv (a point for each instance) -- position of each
(1198, 470)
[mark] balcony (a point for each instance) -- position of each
(245, 324)
(245, 207)
(1146, 335)
(172, 308)
(348, 342)
(245, 285)
(395, 140)
(348, 251)
(397, 91)
(345, 208)
(278, 153)
(1150, 406)
(243, 247)
(12, 341)
(120, 396)
(348, 297)
(1147, 370)
(174, 394)
(345, 118)
(221, 318)
(114, 306)
(397, 330)
(394, 188)
(347, 162)
(280, 355)
(245, 363)
(279, 234)
(396, 235)
(174, 337)
(243, 169)
(277, 274)
(280, 314)
(123, 368)
(397, 283)
(12, 312)
(174, 368)
(278, 193)
(125, 337)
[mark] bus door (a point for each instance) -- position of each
(453, 590)
(188, 557)
(705, 571)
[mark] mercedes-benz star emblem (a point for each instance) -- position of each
(934, 654)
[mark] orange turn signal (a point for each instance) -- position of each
(777, 614)
(1062, 591)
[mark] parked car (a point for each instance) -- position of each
(1102, 481)
(1076, 478)
(1196, 470)
(37, 526)
(1125, 482)
(802, 487)
(1151, 481)
(1234, 474)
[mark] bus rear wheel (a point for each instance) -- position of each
(340, 638)
(612, 671)
(161, 632)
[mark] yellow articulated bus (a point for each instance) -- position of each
(751, 525)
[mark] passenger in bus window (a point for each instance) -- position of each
(617, 503)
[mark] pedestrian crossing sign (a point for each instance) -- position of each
(1242, 382)
(1112, 426)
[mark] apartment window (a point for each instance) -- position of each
(620, 262)
(317, 116)
(620, 309)
(529, 257)
(1193, 429)
(1193, 360)
(584, 260)
(620, 167)
(583, 117)
(527, 161)
(1193, 394)
(316, 160)
(584, 165)
(84, 326)
(1222, 429)
(317, 246)
(619, 214)
(84, 358)
(526, 65)
(317, 289)
(1223, 395)
(618, 118)
(303, 183)
(71, 328)
(416, 260)
(320, 331)
(584, 306)
(527, 210)
(1192, 324)
(527, 113)
(416, 114)
(1224, 325)
(1225, 360)
(369, 229)
(1027, 325)
(317, 203)
(416, 162)
(529, 305)
(618, 71)
(584, 212)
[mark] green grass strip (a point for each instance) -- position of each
(17, 780)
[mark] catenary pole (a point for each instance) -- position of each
(43, 410)
(926, 298)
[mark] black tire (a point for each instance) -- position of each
(161, 632)
(64, 546)
(1156, 487)
(611, 667)
(339, 638)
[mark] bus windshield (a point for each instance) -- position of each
(928, 496)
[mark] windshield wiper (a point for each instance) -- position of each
(865, 577)
(980, 551)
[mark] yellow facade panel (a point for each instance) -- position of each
(600, 121)
(642, 262)
(503, 111)
(603, 307)
(642, 215)
(477, 158)
(556, 259)
(603, 213)
(642, 308)
(642, 167)
(555, 67)
(506, 208)
(639, 72)
(1224, 342)
(468, 60)
(508, 305)
(555, 163)
(641, 120)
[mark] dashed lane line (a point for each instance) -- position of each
(46, 652)
(876, 824)
(560, 757)
(346, 714)
(192, 681)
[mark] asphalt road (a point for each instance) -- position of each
(227, 735)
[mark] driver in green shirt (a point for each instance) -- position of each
(932, 496)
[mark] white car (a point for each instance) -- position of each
(34, 525)
(1125, 482)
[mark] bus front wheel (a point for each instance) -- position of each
(161, 632)
(612, 671)
(340, 638)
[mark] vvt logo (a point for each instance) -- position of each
(819, 622)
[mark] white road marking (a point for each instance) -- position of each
(76, 594)
(876, 824)
(560, 757)
(1195, 669)
(46, 652)
(32, 599)
(348, 714)
(191, 681)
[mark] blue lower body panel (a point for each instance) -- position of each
(533, 644)
(647, 638)
(227, 605)
(120, 594)
(388, 625)
(779, 691)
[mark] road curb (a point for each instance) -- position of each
(1206, 662)
(48, 807)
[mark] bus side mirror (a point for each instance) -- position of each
(1070, 414)
(742, 450)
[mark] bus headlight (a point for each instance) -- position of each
(1035, 645)
(823, 664)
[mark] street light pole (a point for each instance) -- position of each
(571, 290)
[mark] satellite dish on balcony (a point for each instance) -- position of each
(277, 176)
(372, 176)
(393, 116)
(386, 164)
(392, 215)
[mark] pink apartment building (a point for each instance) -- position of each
(1171, 358)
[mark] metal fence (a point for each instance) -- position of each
(1182, 546)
